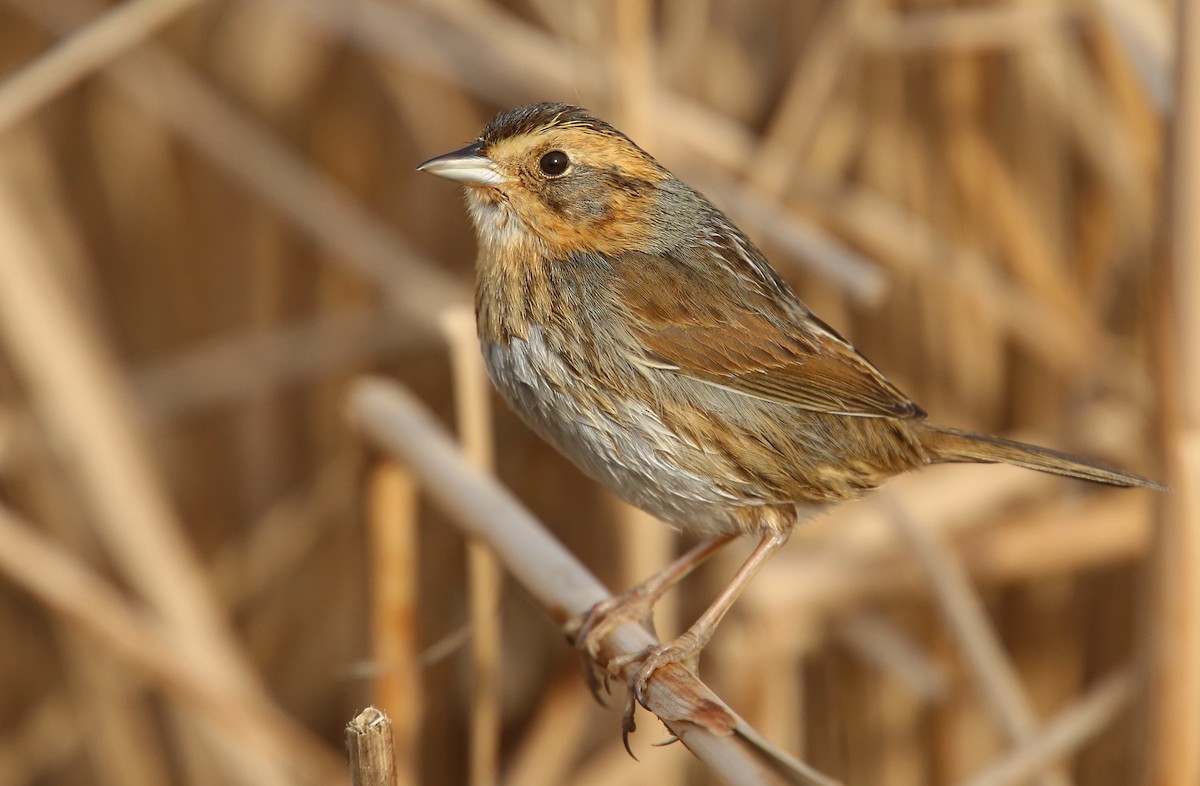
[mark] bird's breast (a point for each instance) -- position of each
(610, 431)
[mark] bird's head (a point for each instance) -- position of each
(567, 179)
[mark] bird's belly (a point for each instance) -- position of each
(614, 439)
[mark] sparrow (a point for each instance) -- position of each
(636, 329)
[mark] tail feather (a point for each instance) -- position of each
(950, 445)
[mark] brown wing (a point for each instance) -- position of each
(739, 326)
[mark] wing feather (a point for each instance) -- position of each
(740, 326)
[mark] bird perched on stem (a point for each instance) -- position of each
(635, 328)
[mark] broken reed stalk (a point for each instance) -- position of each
(392, 527)
(562, 586)
(369, 744)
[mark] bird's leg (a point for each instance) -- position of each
(636, 605)
(686, 648)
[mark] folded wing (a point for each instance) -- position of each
(723, 316)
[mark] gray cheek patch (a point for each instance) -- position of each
(580, 196)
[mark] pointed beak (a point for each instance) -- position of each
(468, 165)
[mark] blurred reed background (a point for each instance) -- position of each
(210, 224)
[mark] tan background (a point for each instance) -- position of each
(221, 196)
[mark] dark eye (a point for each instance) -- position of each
(554, 163)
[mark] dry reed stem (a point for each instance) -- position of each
(948, 500)
(1074, 99)
(632, 68)
(285, 535)
(1062, 735)
(547, 750)
(372, 754)
(110, 701)
(684, 33)
(113, 707)
(473, 410)
(614, 766)
(47, 736)
(489, 51)
(994, 195)
(79, 392)
(710, 53)
(978, 641)
(810, 88)
(1135, 109)
(980, 28)
(1173, 756)
(226, 371)
(1057, 540)
(1145, 31)
(159, 655)
(83, 52)
(395, 566)
(248, 151)
(970, 342)
(562, 586)
(645, 546)
(493, 54)
(880, 642)
(915, 248)
(763, 666)
(77, 387)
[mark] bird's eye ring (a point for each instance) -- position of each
(554, 163)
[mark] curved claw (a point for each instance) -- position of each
(628, 725)
(595, 683)
(585, 632)
(685, 650)
(637, 606)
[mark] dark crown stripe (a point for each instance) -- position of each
(536, 117)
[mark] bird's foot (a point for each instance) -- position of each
(685, 650)
(587, 631)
